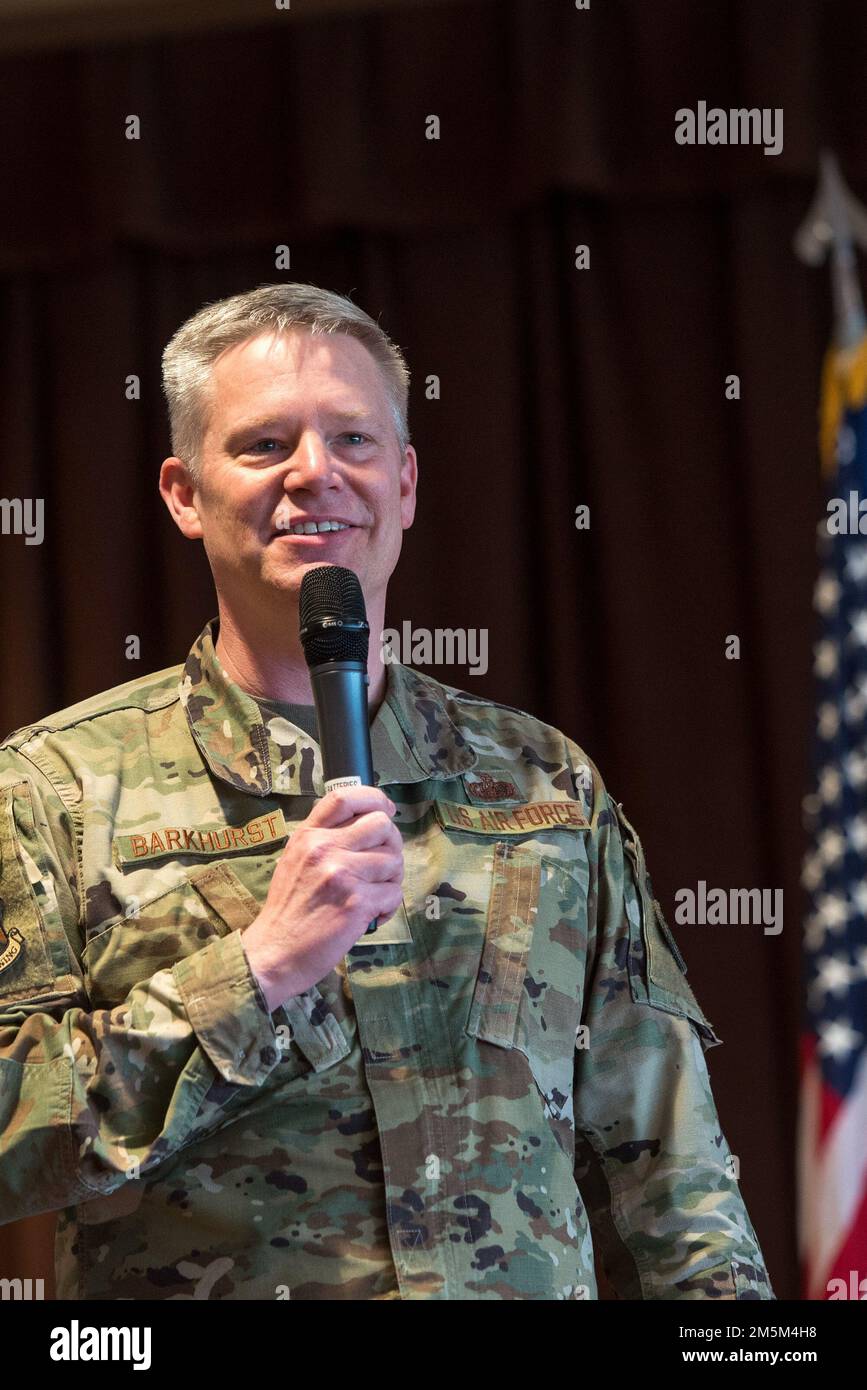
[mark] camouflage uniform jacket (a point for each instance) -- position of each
(508, 1076)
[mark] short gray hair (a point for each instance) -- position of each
(225, 323)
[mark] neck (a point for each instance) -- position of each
(264, 656)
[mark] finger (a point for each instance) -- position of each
(388, 912)
(376, 867)
(373, 830)
(340, 807)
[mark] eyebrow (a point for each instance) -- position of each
(262, 428)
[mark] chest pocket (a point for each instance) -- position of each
(529, 989)
(211, 902)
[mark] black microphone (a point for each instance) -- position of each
(335, 636)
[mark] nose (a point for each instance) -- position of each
(311, 466)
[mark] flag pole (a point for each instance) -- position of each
(835, 224)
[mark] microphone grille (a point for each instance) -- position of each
(333, 616)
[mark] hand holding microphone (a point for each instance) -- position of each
(341, 872)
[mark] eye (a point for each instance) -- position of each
(259, 442)
(353, 434)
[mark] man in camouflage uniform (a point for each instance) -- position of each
(222, 1096)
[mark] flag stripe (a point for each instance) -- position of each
(832, 1129)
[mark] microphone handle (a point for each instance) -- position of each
(340, 696)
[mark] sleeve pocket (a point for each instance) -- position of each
(656, 967)
(34, 964)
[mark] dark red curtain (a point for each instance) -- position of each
(559, 386)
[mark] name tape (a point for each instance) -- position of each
(200, 840)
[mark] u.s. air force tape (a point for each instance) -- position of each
(512, 820)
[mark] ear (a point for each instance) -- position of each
(408, 483)
(180, 495)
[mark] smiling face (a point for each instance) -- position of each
(299, 429)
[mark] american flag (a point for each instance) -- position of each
(833, 1104)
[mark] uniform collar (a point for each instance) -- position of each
(413, 736)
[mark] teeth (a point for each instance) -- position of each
(310, 528)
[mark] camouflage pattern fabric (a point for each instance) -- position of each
(506, 1075)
